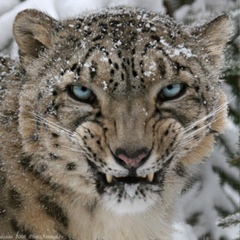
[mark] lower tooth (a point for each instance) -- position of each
(109, 178)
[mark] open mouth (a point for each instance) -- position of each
(104, 180)
(110, 180)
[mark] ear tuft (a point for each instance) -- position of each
(32, 30)
(215, 34)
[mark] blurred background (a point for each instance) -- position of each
(210, 205)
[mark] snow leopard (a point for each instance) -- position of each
(103, 119)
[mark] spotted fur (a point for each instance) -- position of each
(110, 165)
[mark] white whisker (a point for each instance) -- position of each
(53, 125)
(213, 113)
(73, 149)
(189, 137)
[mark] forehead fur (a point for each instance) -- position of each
(131, 45)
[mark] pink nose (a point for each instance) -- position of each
(133, 161)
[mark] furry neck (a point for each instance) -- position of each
(153, 224)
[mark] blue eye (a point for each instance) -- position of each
(172, 91)
(81, 93)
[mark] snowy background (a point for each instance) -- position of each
(209, 208)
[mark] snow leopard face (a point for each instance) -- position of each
(117, 106)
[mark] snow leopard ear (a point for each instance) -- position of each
(33, 31)
(215, 35)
